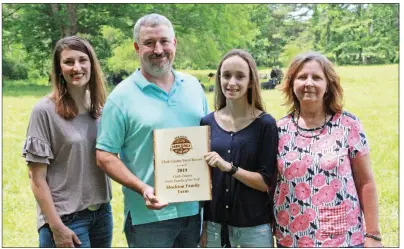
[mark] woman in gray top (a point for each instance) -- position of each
(72, 193)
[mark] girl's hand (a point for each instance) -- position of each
(215, 160)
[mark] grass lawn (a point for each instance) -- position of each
(370, 93)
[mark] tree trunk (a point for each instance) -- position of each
(56, 17)
(359, 15)
(72, 28)
(337, 54)
(317, 34)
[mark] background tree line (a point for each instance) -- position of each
(349, 34)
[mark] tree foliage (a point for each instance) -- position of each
(273, 33)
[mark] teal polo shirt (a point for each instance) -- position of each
(132, 111)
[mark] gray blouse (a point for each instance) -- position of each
(68, 148)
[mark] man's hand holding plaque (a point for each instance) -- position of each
(180, 170)
(151, 200)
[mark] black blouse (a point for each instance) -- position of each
(254, 149)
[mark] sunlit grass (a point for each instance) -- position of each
(370, 93)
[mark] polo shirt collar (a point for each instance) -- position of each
(142, 82)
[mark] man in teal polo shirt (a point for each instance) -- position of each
(153, 97)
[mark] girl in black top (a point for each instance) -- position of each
(244, 144)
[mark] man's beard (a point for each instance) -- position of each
(158, 70)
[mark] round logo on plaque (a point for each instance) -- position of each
(181, 145)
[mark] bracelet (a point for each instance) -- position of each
(233, 169)
(373, 237)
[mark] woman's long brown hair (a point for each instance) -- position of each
(65, 105)
(253, 94)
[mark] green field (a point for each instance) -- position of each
(370, 92)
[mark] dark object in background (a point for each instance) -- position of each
(115, 78)
(277, 74)
(270, 84)
(210, 76)
(211, 88)
(276, 79)
(274, 73)
(203, 86)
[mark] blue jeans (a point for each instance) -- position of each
(93, 228)
(258, 236)
(179, 232)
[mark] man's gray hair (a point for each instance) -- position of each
(151, 20)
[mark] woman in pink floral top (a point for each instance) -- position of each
(325, 190)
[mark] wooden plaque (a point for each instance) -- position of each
(180, 171)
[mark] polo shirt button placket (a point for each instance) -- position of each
(171, 96)
(171, 100)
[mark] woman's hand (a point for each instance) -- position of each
(64, 237)
(366, 188)
(369, 242)
(215, 160)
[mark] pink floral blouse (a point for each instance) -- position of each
(316, 203)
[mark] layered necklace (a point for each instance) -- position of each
(312, 130)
